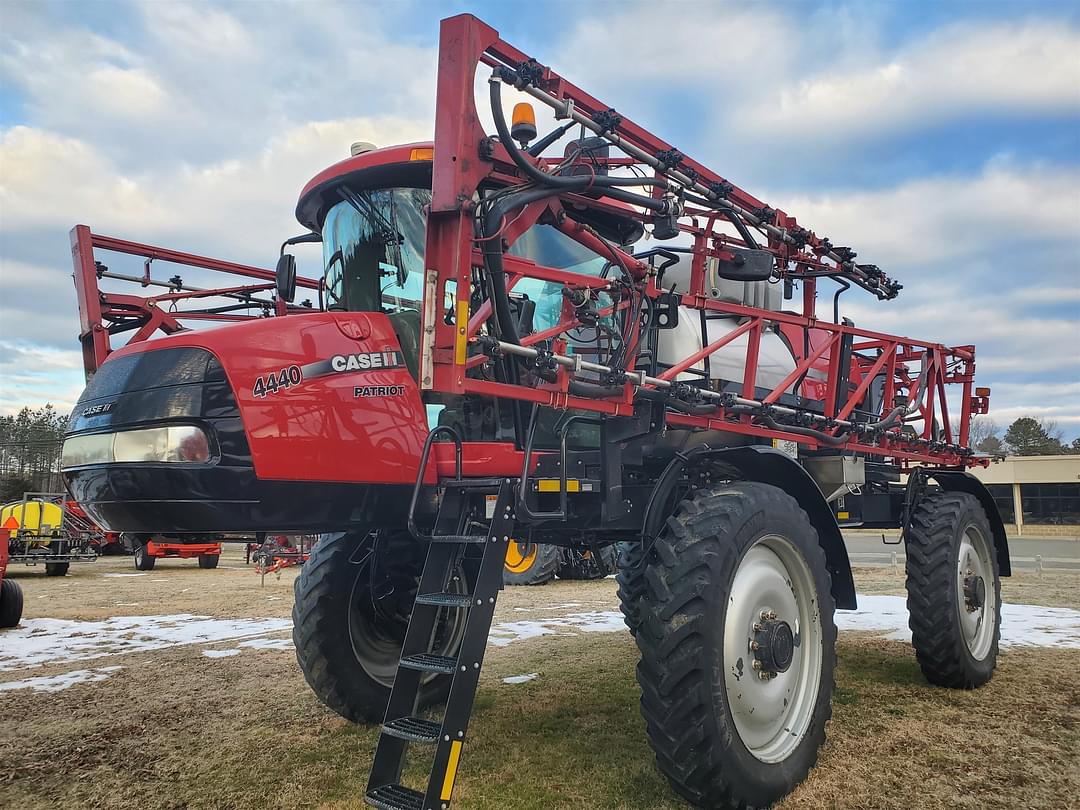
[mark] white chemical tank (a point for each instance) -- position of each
(775, 360)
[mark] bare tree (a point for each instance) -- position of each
(982, 430)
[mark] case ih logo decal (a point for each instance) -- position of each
(288, 377)
(277, 381)
(365, 361)
(97, 410)
(347, 363)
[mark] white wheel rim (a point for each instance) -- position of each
(977, 623)
(773, 715)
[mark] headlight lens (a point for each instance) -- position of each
(177, 443)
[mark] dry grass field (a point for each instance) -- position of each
(173, 727)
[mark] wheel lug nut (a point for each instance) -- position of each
(756, 664)
(755, 646)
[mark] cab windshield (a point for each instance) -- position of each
(373, 250)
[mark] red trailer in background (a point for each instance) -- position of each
(149, 552)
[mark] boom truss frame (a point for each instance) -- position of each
(104, 314)
(466, 160)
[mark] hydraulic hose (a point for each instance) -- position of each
(493, 256)
(844, 287)
(818, 435)
(897, 413)
(569, 183)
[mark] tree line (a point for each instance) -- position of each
(30, 451)
(1026, 436)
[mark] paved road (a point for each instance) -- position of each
(867, 549)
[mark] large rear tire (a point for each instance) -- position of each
(11, 603)
(737, 646)
(531, 563)
(954, 590)
(349, 621)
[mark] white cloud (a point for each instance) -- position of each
(954, 72)
(935, 220)
(34, 375)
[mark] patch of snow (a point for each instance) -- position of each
(596, 621)
(42, 641)
(140, 574)
(57, 683)
(521, 678)
(1021, 625)
(221, 653)
(268, 644)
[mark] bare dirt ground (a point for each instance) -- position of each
(174, 728)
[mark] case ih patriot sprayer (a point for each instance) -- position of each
(492, 359)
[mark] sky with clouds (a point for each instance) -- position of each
(940, 140)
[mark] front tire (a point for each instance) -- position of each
(56, 569)
(737, 646)
(349, 621)
(954, 590)
(208, 560)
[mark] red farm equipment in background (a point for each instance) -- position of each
(491, 360)
(147, 553)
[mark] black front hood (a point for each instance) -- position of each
(187, 385)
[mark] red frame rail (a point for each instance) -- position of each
(448, 353)
(103, 314)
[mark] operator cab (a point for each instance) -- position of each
(371, 210)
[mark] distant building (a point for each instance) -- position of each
(1036, 495)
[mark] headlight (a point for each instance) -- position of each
(181, 443)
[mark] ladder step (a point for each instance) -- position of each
(491, 484)
(479, 539)
(426, 662)
(395, 797)
(413, 728)
(457, 600)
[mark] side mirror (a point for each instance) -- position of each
(746, 265)
(285, 276)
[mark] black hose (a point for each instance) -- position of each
(493, 256)
(549, 139)
(593, 390)
(844, 287)
(820, 436)
(566, 183)
(902, 410)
